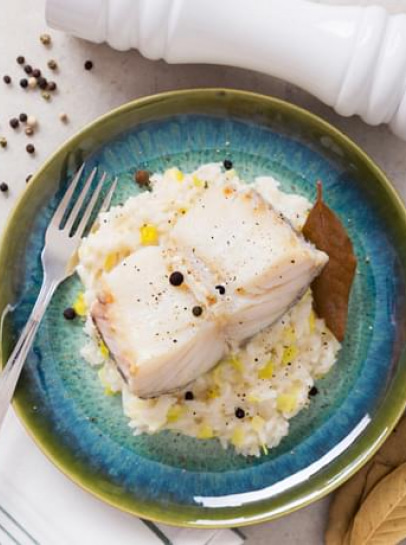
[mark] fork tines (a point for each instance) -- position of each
(74, 213)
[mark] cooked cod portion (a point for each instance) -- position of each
(259, 265)
(242, 266)
(150, 326)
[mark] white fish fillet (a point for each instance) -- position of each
(250, 250)
(148, 325)
(229, 241)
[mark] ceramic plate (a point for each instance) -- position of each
(168, 477)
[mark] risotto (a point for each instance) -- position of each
(248, 398)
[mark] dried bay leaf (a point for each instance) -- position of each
(381, 520)
(344, 506)
(331, 289)
(349, 497)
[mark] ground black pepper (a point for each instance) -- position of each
(176, 278)
(88, 65)
(189, 396)
(221, 289)
(239, 413)
(313, 391)
(3, 187)
(28, 178)
(228, 165)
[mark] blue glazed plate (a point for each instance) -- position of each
(169, 477)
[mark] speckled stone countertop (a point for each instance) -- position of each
(116, 79)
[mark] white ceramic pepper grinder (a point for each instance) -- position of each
(351, 57)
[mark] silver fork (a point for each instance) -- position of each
(61, 241)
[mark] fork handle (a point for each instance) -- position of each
(11, 372)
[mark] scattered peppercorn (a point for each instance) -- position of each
(23, 117)
(197, 311)
(36, 73)
(14, 123)
(3, 187)
(7, 80)
(142, 178)
(3, 142)
(42, 82)
(51, 86)
(221, 289)
(313, 391)
(52, 64)
(32, 121)
(64, 117)
(45, 39)
(228, 165)
(28, 178)
(88, 65)
(45, 95)
(28, 69)
(30, 148)
(239, 413)
(189, 396)
(24, 83)
(69, 313)
(32, 82)
(20, 59)
(176, 278)
(29, 131)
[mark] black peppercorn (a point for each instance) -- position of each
(36, 73)
(30, 148)
(221, 289)
(3, 187)
(24, 83)
(197, 311)
(23, 118)
(228, 165)
(189, 396)
(14, 123)
(42, 82)
(51, 86)
(69, 313)
(239, 413)
(28, 69)
(176, 278)
(88, 65)
(20, 59)
(313, 391)
(7, 80)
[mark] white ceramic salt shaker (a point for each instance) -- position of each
(351, 57)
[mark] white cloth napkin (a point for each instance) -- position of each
(40, 506)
